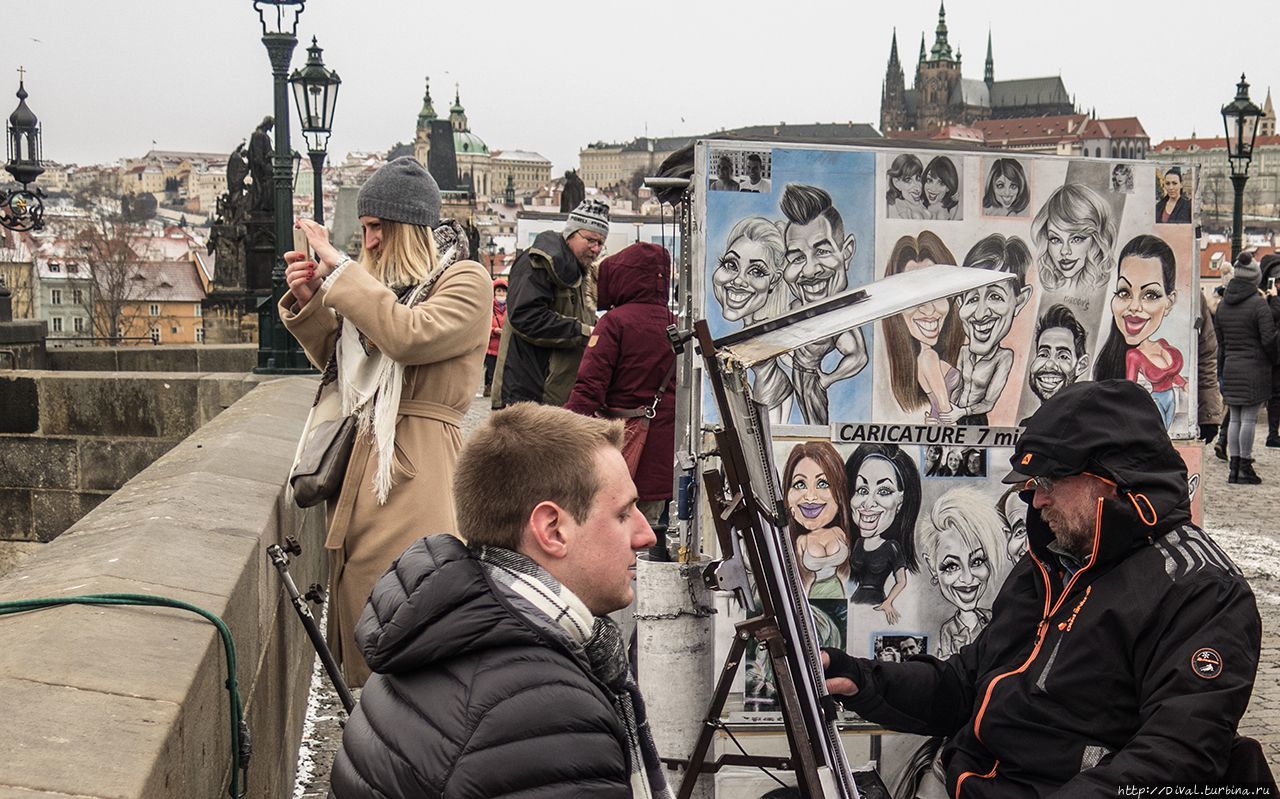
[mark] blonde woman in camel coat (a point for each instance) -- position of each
(414, 320)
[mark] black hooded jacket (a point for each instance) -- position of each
(470, 696)
(1133, 671)
(1247, 343)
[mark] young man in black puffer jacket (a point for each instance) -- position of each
(496, 669)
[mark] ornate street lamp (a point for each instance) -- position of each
(23, 209)
(1240, 118)
(278, 352)
(315, 92)
(493, 253)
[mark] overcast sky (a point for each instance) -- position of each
(107, 77)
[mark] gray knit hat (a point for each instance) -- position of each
(590, 215)
(1247, 269)
(401, 191)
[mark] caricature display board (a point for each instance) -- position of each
(892, 440)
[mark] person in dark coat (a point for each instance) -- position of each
(548, 317)
(628, 358)
(1123, 647)
(1270, 266)
(496, 669)
(1247, 345)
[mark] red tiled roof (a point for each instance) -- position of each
(1027, 128)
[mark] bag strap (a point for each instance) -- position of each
(651, 410)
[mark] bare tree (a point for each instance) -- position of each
(120, 288)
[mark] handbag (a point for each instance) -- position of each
(636, 422)
(320, 470)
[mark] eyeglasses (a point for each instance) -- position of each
(597, 243)
(1046, 484)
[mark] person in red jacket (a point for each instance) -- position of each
(495, 331)
(628, 360)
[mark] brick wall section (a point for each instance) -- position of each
(69, 439)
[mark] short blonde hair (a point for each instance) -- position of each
(406, 257)
(524, 455)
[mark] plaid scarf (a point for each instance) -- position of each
(598, 642)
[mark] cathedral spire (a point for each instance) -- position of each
(893, 51)
(989, 74)
(941, 47)
(428, 112)
(922, 51)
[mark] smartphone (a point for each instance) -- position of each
(1271, 284)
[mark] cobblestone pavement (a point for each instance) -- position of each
(1241, 519)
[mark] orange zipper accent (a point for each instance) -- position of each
(1042, 628)
(968, 774)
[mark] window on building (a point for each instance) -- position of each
(155, 334)
(173, 329)
(199, 335)
(57, 324)
(155, 310)
(73, 269)
(78, 296)
(198, 311)
(55, 297)
(55, 267)
(78, 324)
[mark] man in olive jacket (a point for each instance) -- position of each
(497, 671)
(548, 317)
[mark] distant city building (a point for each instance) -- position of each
(605, 165)
(62, 293)
(16, 272)
(1077, 135)
(940, 96)
(529, 171)
(1262, 193)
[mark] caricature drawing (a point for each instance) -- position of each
(885, 500)
(1013, 515)
(817, 498)
(1122, 179)
(1060, 357)
(987, 314)
(905, 196)
(942, 188)
(818, 254)
(923, 342)
(1007, 193)
(1074, 231)
(747, 282)
(1145, 293)
(959, 546)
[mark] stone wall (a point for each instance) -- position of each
(69, 439)
(163, 358)
(130, 702)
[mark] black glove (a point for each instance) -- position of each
(843, 665)
(1208, 432)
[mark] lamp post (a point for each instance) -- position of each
(493, 252)
(1240, 118)
(23, 209)
(278, 352)
(315, 92)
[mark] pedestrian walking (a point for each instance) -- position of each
(400, 335)
(495, 331)
(1270, 266)
(1246, 333)
(548, 316)
(628, 369)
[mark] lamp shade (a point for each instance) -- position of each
(315, 92)
(1240, 119)
(23, 142)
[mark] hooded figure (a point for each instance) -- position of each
(495, 331)
(1247, 349)
(1122, 648)
(628, 357)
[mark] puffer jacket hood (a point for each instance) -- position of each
(564, 264)
(639, 273)
(1113, 429)
(1239, 289)
(435, 604)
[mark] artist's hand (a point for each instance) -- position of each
(300, 275)
(1208, 432)
(839, 668)
(327, 256)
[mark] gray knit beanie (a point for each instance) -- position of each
(1247, 269)
(590, 215)
(401, 191)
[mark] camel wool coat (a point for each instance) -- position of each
(441, 341)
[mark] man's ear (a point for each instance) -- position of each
(849, 248)
(546, 532)
(1082, 366)
(1020, 299)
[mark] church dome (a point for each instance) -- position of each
(467, 143)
